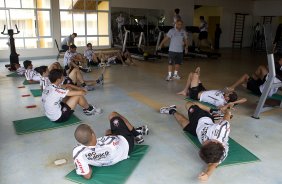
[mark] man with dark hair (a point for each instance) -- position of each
(212, 135)
(176, 16)
(57, 107)
(30, 74)
(196, 91)
(68, 41)
(203, 29)
(108, 150)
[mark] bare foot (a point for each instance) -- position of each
(183, 93)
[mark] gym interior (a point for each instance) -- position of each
(249, 37)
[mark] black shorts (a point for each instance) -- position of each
(203, 35)
(68, 81)
(66, 113)
(175, 58)
(194, 91)
(194, 114)
(118, 127)
(253, 85)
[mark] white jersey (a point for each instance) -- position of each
(273, 90)
(69, 40)
(203, 26)
(68, 56)
(44, 82)
(89, 53)
(52, 97)
(21, 71)
(31, 74)
(109, 150)
(214, 97)
(208, 130)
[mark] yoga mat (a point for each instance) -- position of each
(25, 82)
(14, 74)
(36, 92)
(204, 103)
(38, 124)
(237, 154)
(115, 174)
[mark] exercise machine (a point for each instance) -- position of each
(134, 48)
(14, 57)
(270, 82)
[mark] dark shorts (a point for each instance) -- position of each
(194, 91)
(118, 127)
(203, 35)
(175, 58)
(253, 85)
(194, 114)
(68, 81)
(66, 113)
(65, 47)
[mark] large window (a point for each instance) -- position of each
(88, 18)
(33, 20)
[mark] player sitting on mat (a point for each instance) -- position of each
(20, 70)
(72, 59)
(92, 58)
(212, 135)
(257, 82)
(59, 103)
(108, 150)
(196, 91)
(30, 74)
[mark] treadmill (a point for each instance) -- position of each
(135, 50)
(162, 31)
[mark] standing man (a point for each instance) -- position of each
(177, 37)
(203, 30)
(68, 41)
(176, 16)
(120, 22)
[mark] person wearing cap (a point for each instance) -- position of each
(67, 41)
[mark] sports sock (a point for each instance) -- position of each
(134, 132)
(169, 73)
(172, 111)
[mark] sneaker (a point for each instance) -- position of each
(90, 111)
(168, 78)
(97, 110)
(89, 88)
(139, 139)
(176, 76)
(143, 130)
(166, 110)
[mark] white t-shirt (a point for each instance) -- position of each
(21, 71)
(176, 39)
(273, 90)
(214, 97)
(68, 56)
(31, 74)
(208, 130)
(88, 53)
(44, 82)
(52, 97)
(109, 150)
(68, 40)
(203, 26)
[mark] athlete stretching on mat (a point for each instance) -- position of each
(212, 135)
(30, 74)
(108, 150)
(196, 91)
(257, 81)
(59, 103)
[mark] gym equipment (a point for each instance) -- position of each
(237, 154)
(271, 75)
(40, 124)
(14, 57)
(25, 82)
(36, 92)
(60, 51)
(162, 31)
(115, 174)
(135, 50)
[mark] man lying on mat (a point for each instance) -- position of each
(212, 135)
(108, 150)
(59, 103)
(196, 91)
(30, 74)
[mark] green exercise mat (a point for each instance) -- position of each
(36, 92)
(115, 174)
(204, 103)
(237, 154)
(25, 82)
(38, 124)
(14, 74)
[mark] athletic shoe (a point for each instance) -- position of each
(89, 88)
(176, 76)
(97, 110)
(139, 139)
(168, 78)
(143, 130)
(167, 110)
(90, 111)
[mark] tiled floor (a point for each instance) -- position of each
(135, 92)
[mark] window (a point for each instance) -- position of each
(33, 18)
(88, 18)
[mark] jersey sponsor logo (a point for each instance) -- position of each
(116, 143)
(79, 165)
(97, 156)
(116, 122)
(64, 109)
(59, 91)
